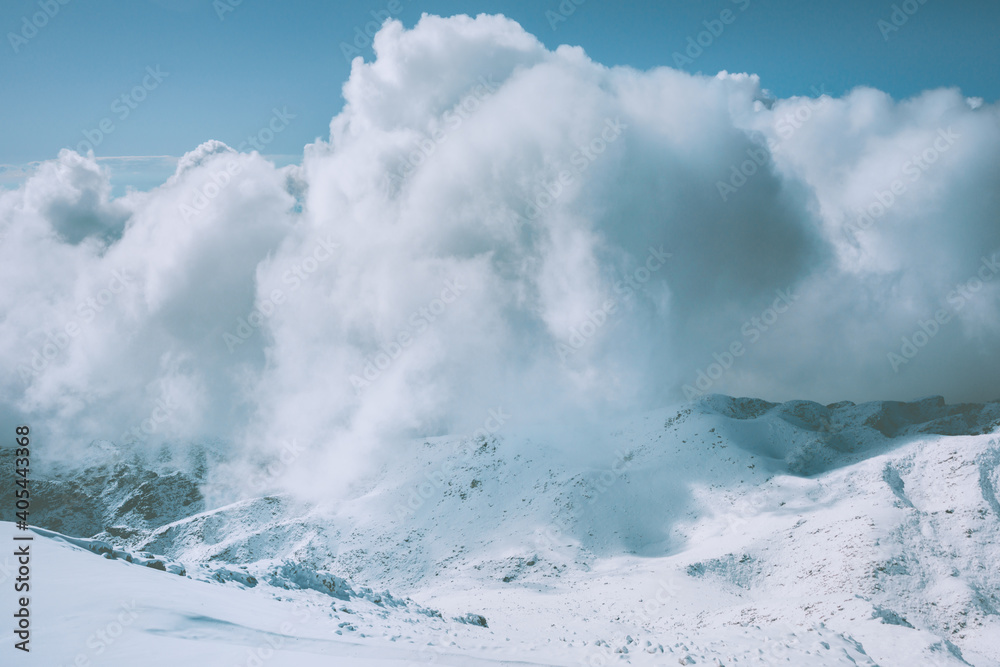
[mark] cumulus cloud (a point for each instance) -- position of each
(495, 225)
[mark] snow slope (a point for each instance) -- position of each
(728, 531)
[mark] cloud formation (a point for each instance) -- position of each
(495, 225)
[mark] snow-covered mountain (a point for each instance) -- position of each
(727, 531)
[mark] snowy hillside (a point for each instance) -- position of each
(727, 531)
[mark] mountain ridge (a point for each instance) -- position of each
(867, 520)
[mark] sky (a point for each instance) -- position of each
(228, 66)
(476, 219)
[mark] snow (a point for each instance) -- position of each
(727, 531)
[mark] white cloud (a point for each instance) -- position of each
(536, 181)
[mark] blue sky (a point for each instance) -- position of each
(227, 71)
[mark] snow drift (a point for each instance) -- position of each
(727, 531)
